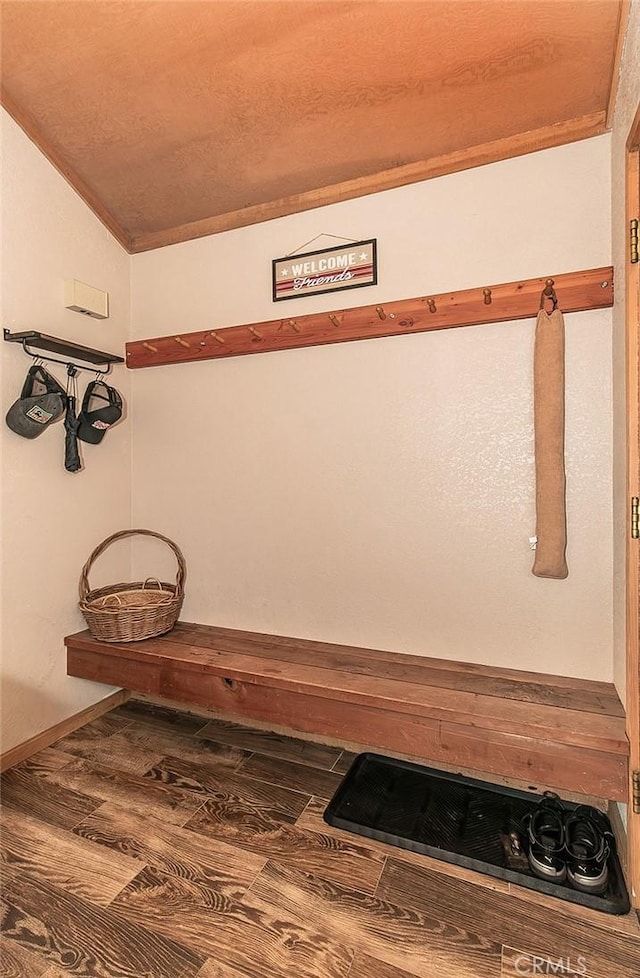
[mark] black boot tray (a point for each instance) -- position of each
(456, 819)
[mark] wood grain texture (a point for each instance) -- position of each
(99, 784)
(36, 849)
(160, 716)
(160, 741)
(314, 715)
(321, 854)
(541, 762)
(205, 899)
(310, 651)
(142, 677)
(44, 761)
(487, 711)
(534, 902)
(538, 903)
(610, 954)
(104, 743)
(632, 354)
(17, 962)
(230, 791)
(57, 804)
(365, 966)
(273, 744)
(92, 942)
(415, 940)
(254, 937)
(47, 737)
(566, 735)
(518, 684)
(173, 851)
(252, 141)
(297, 777)
(344, 762)
(94, 730)
(576, 291)
(215, 969)
(351, 748)
(312, 820)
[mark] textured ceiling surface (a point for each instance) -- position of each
(168, 112)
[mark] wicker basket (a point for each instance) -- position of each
(135, 611)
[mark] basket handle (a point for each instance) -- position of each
(108, 598)
(167, 599)
(153, 579)
(121, 535)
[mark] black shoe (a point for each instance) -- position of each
(546, 839)
(588, 842)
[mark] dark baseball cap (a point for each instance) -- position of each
(101, 408)
(41, 402)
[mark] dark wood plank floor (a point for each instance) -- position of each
(157, 844)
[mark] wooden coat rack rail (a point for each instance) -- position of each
(576, 291)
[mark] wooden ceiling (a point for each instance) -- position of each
(178, 118)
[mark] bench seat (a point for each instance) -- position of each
(550, 731)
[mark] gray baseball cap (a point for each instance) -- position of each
(41, 402)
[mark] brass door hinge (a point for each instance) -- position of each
(635, 518)
(635, 781)
(633, 240)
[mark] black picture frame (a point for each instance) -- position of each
(310, 257)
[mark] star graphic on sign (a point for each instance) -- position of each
(284, 272)
(363, 256)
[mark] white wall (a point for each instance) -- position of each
(626, 107)
(380, 493)
(52, 519)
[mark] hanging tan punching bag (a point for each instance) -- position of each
(548, 408)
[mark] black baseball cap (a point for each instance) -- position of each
(41, 402)
(101, 408)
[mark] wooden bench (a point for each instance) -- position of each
(549, 731)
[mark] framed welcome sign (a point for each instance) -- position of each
(327, 270)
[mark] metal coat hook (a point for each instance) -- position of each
(69, 353)
(487, 297)
(432, 305)
(549, 293)
(70, 365)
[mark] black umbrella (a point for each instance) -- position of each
(72, 461)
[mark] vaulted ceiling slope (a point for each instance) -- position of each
(178, 118)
